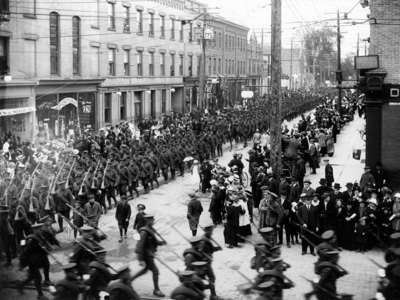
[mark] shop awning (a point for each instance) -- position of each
(64, 102)
(16, 111)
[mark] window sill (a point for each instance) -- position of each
(95, 27)
(29, 16)
(111, 29)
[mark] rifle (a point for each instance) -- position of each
(53, 188)
(69, 173)
(104, 176)
(94, 175)
(80, 193)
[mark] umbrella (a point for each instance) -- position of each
(189, 158)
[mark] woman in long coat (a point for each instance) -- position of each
(350, 220)
(231, 231)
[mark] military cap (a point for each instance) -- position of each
(199, 264)
(192, 195)
(69, 266)
(86, 228)
(307, 181)
(195, 239)
(141, 206)
(149, 217)
(331, 252)
(37, 225)
(266, 230)
(327, 235)
(187, 273)
(265, 285)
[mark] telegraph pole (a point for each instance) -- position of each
(291, 66)
(202, 92)
(339, 64)
(358, 54)
(276, 105)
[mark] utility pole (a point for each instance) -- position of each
(276, 70)
(339, 65)
(291, 66)
(262, 59)
(358, 54)
(202, 92)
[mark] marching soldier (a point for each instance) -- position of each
(6, 234)
(146, 249)
(70, 287)
(191, 287)
(207, 247)
(140, 220)
(34, 256)
(92, 211)
(99, 278)
(122, 288)
(62, 199)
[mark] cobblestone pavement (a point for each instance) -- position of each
(168, 203)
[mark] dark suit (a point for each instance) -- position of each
(309, 217)
(285, 221)
(327, 215)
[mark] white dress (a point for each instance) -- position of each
(195, 176)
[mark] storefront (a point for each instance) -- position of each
(17, 109)
(67, 112)
(191, 85)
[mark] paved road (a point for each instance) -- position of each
(168, 203)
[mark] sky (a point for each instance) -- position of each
(297, 18)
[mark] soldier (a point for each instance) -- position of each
(134, 178)
(6, 234)
(122, 288)
(124, 177)
(34, 256)
(146, 249)
(207, 247)
(70, 287)
(123, 214)
(191, 287)
(92, 211)
(329, 242)
(62, 199)
(280, 280)
(193, 253)
(193, 213)
(140, 220)
(100, 277)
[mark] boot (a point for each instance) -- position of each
(158, 293)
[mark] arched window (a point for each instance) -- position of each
(76, 45)
(54, 43)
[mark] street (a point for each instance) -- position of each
(168, 204)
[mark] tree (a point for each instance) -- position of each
(320, 54)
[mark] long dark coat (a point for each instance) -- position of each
(193, 213)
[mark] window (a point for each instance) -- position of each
(172, 67)
(139, 61)
(181, 32)
(95, 61)
(151, 64)
(162, 64)
(219, 40)
(122, 106)
(111, 62)
(138, 105)
(198, 65)
(190, 32)
(190, 68)
(76, 45)
(127, 21)
(111, 15)
(180, 65)
(226, 66)
(4, 69)
(4, 6)
(162, 26)
(172, 29)
(140, 21)
(215, 66)
(226, 41)
(107, 107)
(54, 43)
(163, 101)
(209, 66)
(127, 63)
(153, 104)
(28, 8)
(219, 65)
(215, 39)
(151, 25)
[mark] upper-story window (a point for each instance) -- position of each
(162, 26)
(151, 64)
(4, 69)
(54, 43)
(151, 24)
(140, 21)
(181, 64)
(190, 32)
(127, 19)
(4, 6)
(172, 67)
(162, 64)
(181, 32)
(139, 57)
(190, 67)
(111, 61)
(172, 28)
(127, 62)
(76, 45)
(111, 15)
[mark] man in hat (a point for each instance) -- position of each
(6, 234)
(191, 287)
(122, 289)
(92, 211)
(140, 221)
(327, 213)
(71, 286)
(367, 181)
(207, 247)
(146, 249)
(328, 173)
(307, 189)
(271, 212)
(348, 194)
(194, 212)
(63, 199)
(122, 215)
(34, 256)
(323, 188)
(308, 217)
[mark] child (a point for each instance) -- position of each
(361, 235)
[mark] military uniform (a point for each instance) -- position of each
(70, 287)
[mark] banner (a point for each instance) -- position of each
(16, 111)
(64, 102)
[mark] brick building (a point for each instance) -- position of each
(95, 63)
(383, 103)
